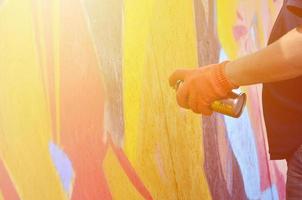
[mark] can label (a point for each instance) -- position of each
(221, 107)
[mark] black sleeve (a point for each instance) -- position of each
(295, 6)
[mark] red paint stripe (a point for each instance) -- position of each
(6, 185)
(129, 170)
(82, 104)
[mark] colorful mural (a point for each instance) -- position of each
(86, 111)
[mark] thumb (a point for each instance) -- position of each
(179, 74)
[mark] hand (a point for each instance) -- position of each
(201, 87)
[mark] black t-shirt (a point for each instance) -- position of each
(282, 101)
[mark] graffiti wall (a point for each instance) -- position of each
(86, 111)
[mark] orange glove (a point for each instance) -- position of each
(201, 87)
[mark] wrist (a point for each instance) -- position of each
(229, 74)
(223, 81)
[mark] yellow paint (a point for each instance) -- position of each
(252, 13)
(40, 38)
(42, 23)
(226, 12)
(56, 9)
(119, 184)
(141, 138)
(160, 36)
(136, 29)
(1, 196)
(24, 116)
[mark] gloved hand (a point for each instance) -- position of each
(201, 87)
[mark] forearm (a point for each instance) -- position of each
(279, 61)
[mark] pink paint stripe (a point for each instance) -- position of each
(6, 185)
(129, 170)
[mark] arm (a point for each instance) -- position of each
(279, 61)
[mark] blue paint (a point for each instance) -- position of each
(270, 193)
(222, 55)
(243, 144)
(63, 166)
(242, 141)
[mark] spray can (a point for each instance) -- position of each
(232, 106)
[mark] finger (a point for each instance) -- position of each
(179, 74)
(193, 104)
(182, 96)
(204, 107)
